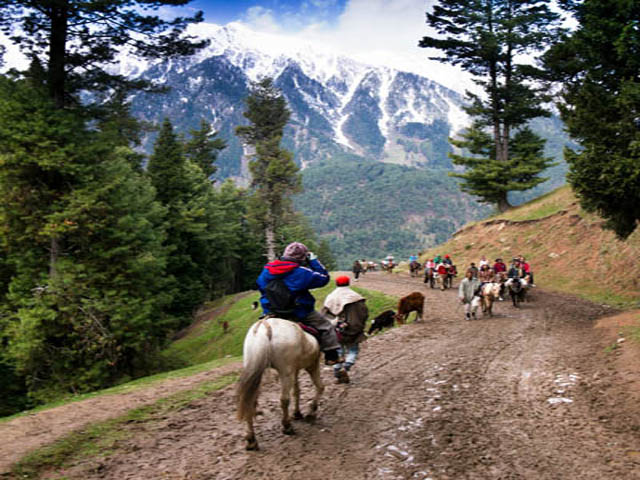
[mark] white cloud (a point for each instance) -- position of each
(261, 19)
(379, 32)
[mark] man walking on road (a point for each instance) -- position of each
(351, 313)
(467, 294)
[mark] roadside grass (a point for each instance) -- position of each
(209, 341)
(129, 386)
(543, 206)
(100, 439)
(634, 331)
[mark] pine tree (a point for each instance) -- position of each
(486, 38)
(198, 236)
(492, 180)
(101, 316)
(598, 66)
(274, 174)
(203, 148)
(74, 40)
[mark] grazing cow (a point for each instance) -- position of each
(490, 293)
(385, 319)
(414, 302)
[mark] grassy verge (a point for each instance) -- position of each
(210, 341)
(101, 439)
(130, 386)
(208, 346)
(543, 206)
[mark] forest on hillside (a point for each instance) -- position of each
(399, 209)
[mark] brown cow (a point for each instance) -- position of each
(414, 302)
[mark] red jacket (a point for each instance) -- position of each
(499, 267)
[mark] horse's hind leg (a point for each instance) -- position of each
(314, 373)
(250, 437)
(287, 379)
(296, 396)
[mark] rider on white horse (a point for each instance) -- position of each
(300, 270)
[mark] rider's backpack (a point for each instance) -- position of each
(282, 302)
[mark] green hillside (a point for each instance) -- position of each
(371, 209)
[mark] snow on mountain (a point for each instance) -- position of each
(340, 106)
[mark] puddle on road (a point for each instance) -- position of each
(563, 384)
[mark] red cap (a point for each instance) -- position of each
(446, 256)
(342, 281)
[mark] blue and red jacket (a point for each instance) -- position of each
(298, 279)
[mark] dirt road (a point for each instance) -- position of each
(529, 393)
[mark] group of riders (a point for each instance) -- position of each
(442, 270)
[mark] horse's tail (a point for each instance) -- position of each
(256, 360)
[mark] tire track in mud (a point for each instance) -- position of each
(442, 399)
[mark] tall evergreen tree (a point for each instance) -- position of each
(203, 148)
(197, 234)
(487, 38)
(599, 67)
(74, 40)
(274, 174)
(101, 317)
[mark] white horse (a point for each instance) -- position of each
(490, 293)
(284, 346)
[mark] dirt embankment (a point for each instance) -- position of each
(568, 250)
(528, 393)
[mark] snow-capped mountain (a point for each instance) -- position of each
(340, 107)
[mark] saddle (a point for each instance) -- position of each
(314, 332)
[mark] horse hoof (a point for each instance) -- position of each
(288, 430)
(298, 416)
(252, 445)
(310, 418)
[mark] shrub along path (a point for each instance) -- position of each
(528, 393)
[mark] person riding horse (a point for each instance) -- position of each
(296, 272)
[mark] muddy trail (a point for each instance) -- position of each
(528, 393)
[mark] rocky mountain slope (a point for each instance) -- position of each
(339, 107)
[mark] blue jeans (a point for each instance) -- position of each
(350, 353)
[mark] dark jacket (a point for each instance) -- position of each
(354, 317)
(298, 280)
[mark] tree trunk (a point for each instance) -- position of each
(56, 81)
(503, 204)
(57, 52)
(270, 237)
(54, 252)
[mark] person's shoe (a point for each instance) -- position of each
(342, 376)
(532, 285)
(468, 316)
(331, 357)
(501, 299)
(473, 315)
